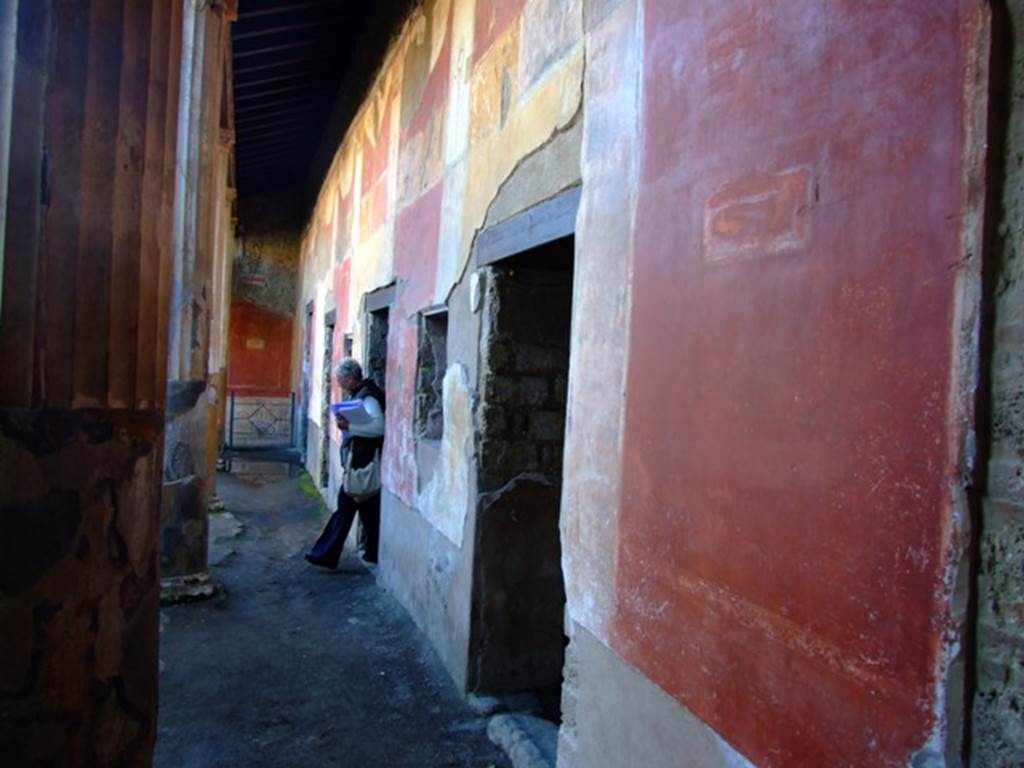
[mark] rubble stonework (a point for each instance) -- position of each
(998, 727)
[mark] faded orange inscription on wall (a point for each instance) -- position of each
(759, 214)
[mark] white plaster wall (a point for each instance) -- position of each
(601, 311)
(445, 500)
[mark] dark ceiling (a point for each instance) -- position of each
(301, 68)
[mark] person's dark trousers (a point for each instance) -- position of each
(328, 547)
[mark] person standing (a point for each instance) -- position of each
(360, 446)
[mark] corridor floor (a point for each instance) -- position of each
(297, 666)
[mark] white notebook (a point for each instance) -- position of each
(352, 411)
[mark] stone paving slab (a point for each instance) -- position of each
(529, 742)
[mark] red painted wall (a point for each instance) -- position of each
(787, 480)
(260, 355)
(417, 231)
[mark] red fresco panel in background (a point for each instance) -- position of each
(260, 361)
(787, 468)
(416, 239)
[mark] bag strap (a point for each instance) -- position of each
(348, 459)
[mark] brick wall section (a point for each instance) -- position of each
(998, 722)
(525, 395)
(517, 640)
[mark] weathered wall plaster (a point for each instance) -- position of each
(431, 577)
(540, 175)
(614, 715)
(445, 500)
(604, 245)
(266, 264)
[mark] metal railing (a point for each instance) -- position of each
(260, 423)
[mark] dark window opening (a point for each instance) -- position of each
(325, 409)
(431, 364)
(377, 346)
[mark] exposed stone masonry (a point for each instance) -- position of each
(517, 640)
(998, 733)
(524, 400)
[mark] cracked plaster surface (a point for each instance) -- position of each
(445, 499)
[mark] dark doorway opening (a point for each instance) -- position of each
(377, 346)
(376, 368)
(325, 405)
(306, 392)
(518, 591)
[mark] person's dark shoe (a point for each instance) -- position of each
(314, 560)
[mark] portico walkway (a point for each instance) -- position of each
(296, 666)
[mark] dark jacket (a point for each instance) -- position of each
(364, 448)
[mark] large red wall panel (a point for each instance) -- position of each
(786, 504)
(260, 358)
